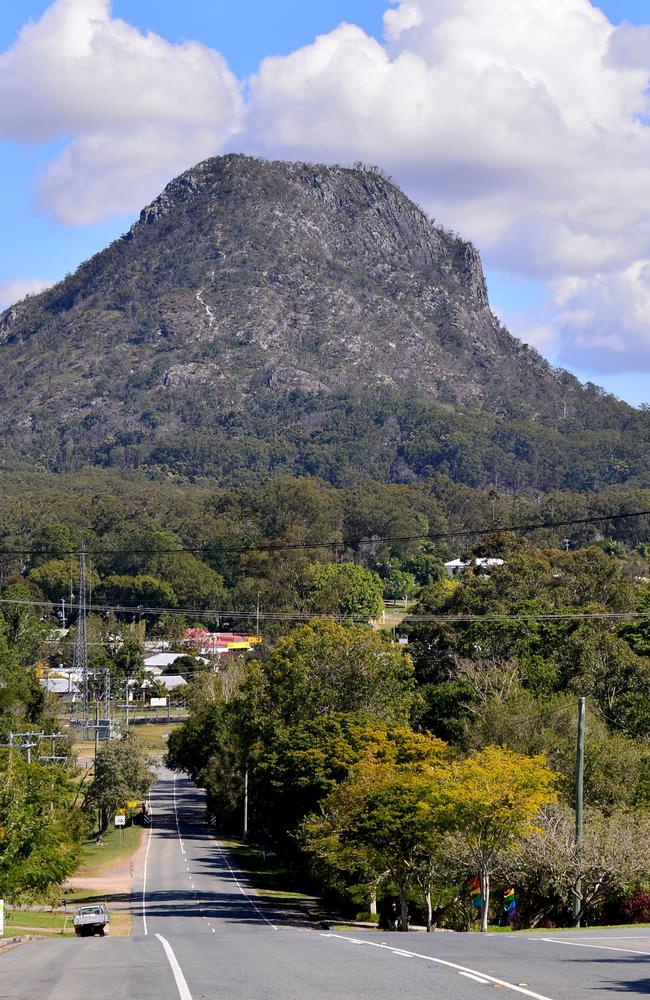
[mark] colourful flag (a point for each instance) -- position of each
(509, 901)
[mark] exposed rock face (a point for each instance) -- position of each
(247, 287)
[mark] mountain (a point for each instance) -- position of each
(269, 317)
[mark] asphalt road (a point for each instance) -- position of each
(201, 933)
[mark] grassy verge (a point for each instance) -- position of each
(97, 857)
(271, 880)
(153, 736)
(21, 922)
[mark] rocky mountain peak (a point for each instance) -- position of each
(251, 292)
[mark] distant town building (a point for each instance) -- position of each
(219, 643)
(456, 566)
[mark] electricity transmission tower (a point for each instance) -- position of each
(80, 649)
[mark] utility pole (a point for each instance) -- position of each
(126, 702)
(245, 836)
(580, 774)
(257, 614)
(63, 613)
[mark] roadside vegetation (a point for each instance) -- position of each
(392, 757)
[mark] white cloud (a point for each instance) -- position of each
(138, 108)
(508, 120)
(519, 124)
(16, 290)
(604, 321)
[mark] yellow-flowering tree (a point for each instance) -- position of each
(491, 798)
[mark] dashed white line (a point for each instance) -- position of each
(441, 961)
(181, 982)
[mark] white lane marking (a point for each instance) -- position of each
(178, 831)
(441, 961)
(144, 873)
(611, 937)
(477, 979)
(181, 983)
(600, 947)
(241, 889)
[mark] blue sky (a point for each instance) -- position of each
(45, 245)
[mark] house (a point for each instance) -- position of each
(456, 566)
(487, 562)
(160, 661)
(219, 643)
(172, 681)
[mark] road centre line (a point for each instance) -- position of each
(441, 961)
(600, 947)
(144, 873)
(181, 982)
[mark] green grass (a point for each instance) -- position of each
(98, 856)
(152, 736)
(271, 880)
(20, 922)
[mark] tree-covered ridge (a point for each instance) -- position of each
(267, 319)
(364, 755)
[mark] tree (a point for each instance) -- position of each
(56, 577)
(39, 832)
(613, 855)
(399, 586)
(122, 772)
(322, 668)
(344, 589)
(491, 798)
(383, 823)
(143, 591)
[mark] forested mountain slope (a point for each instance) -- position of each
(268, 318)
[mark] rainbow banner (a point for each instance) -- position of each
(475, 891)
(509, 902)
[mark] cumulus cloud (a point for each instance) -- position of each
(522, 125)
(18, 289)
(138, 108)
(604, 320)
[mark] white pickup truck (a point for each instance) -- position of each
(91, 920)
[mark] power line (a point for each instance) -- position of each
(280, 616)
(334, 543)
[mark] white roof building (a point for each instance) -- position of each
(162, 660)
(456, 566)
(172, 681)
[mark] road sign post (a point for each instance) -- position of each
(120, 821)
